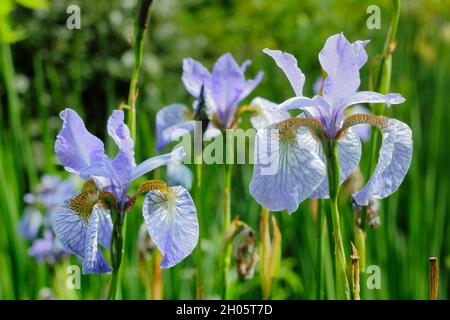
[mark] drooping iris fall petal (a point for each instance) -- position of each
(286, 169)
(171, 220)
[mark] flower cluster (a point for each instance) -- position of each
(300, 142)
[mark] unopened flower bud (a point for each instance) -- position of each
(246, 253)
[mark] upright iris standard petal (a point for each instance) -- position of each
(171, 220)
(119, 131)
(349, 154)
(168, 120)
(288, 64)
(195, 75)
(76, 148)
(227, 85)
(393, 163)
(93, 261)
(151, 164)
(341, 60)
(286, 171)
(266, 113)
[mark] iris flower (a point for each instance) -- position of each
(223, 89)
(37, 222)
(85, 221)
(295, 146)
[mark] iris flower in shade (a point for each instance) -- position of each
(85, 221)
(37, 222)
(295, 144)
(223, 89)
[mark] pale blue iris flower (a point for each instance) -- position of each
(85, 221)
(223, 89)
(296, 151)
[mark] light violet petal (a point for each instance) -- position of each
(171, 221)
(341, 60)
(370, 97)
(393, 163)
(250, 85)
(349, 155)
(93, 261)
(288, 63)
(171, 119)
(30, 223)
(227, 84)
(285, 173)
(195, 75)
(75, 147)
(151, 164)
(267, 113)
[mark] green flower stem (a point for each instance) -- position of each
(140, 27)
(320, 221)
(383, 78)
(198, 202)
(225, 225)
(116, 252)
(331, 152)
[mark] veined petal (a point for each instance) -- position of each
(76, 147)
(195, 75)
(171, 221)
(151, 164)
(286, 171)
(70, 230)
(168, 120)
(341, 60)
(288, 63)
(93, 261)
(179, 175)
(393, 163)
(349, 154)
(267, 113)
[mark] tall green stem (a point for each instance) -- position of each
(225, 225)
(331, 152)
(140, 27)
(116, 252)
(198, 202)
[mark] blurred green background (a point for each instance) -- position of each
(45, 67)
